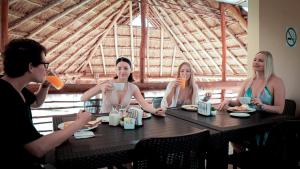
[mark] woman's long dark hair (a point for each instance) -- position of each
(123, 59)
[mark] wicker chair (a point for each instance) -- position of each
(281, 150)
(289, 109)
(182, 152)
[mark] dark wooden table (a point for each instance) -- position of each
(113, 145)
(230, 128)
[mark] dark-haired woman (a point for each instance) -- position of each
(122, 97)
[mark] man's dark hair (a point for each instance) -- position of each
(19, 53)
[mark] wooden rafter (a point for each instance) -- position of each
(236, 13)
(173, 61)
(195, 40)
(74, 55)
(106, 32)
(207, 39)
(216, 38)
(143, 45)
(148, 53)
(91, 68)
(67, 25)
(173, 35)
(116, 39)
(131, 36)
(173, 25)
(36, 12)
(56, 17)
(83, 27)
(161, 50)
(103, 59)
(4, 25)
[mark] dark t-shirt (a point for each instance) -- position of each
(17, 127)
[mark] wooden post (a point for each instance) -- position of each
(4, 24)
(143, 40)
(224, 47)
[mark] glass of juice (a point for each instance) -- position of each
(54, 80)
(182, 82)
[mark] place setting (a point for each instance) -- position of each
(243, 110)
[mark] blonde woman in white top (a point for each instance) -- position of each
(176, 95)
(123, 97)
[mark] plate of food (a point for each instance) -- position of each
(103, 119)
(190, 107)
(146, 115)
(240, 114)
(241, 109)
(89, 126)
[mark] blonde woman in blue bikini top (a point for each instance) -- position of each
(265, 88)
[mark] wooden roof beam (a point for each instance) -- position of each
(143, 45)
(216, 38)
(3, 26)
(116, 39)
(103, 59)
(186, 40)
(177, 40)
(56, 17)
(74, 55)
(236, 13)
(64, 27)
(131, 36)
(173, 61)
(197, 42)
(33, 14)
(83, 27)
(106, 32)
(161, 50)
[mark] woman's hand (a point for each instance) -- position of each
(177, 83)
(223, 105)
(106, 87)
(257, 102)
(207, 96)
(159, 112)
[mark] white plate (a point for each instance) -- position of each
(239, 114)
(190, 107)
(243, 111)
(103, 119)
(147, 115)
(61, 126)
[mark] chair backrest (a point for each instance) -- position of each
(93, 105)
(181, 152)
(156, 102)
(289, 107)
(283, 144)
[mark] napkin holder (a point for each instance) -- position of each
(137, 114)
(129, 123)
(204, 108)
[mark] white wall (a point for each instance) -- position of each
(267, 28)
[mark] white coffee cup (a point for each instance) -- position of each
(114, 119)
(245, 100)
(119, 86)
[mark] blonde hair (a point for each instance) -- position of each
(268, 67)
(190, 81)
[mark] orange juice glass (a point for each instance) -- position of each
(182, 83)
(55, 81)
